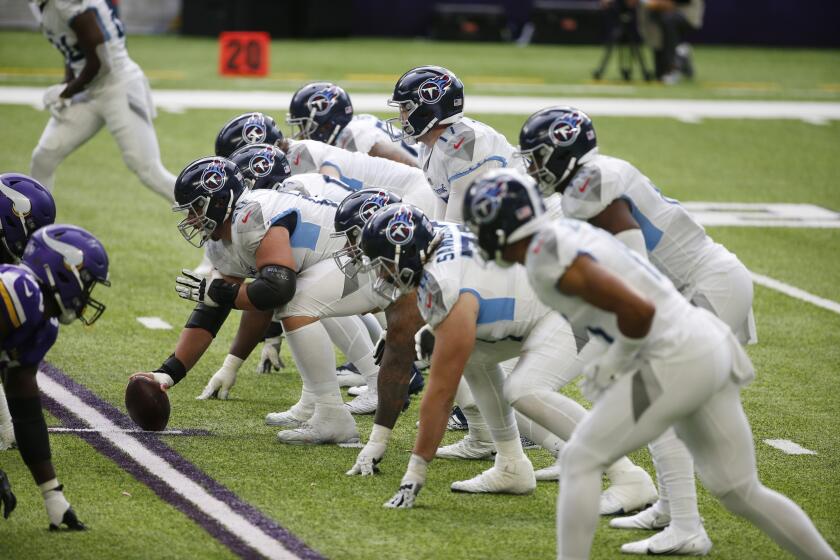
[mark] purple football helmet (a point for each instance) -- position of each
(25, 206)
(69, 262)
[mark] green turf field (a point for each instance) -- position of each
(304, 489)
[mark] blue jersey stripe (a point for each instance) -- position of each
(305, 234)
(651, 233)
(500, 159)
(354, 184)
(491, 310)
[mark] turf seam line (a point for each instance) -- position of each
(239, 526)
(795, 292)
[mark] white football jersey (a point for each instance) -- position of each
(508, 307)
(465, 151)
(56, 16)
(310, 221)
(557, 246)
(364, 131)
(316, 184)
(676, 244)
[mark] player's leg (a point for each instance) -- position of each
(351, 337)
(725, 288)
(719, 437)
(478, 443)
(512, 472)
(128, 113)
(7, 429)
(78, 123)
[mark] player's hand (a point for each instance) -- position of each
(59, 510)
(270, 356)
(405, 496)
(620, 359)
(7, 498)
(379, 349)
(162, 378)
(223, 380)
(424, 343)
(367, 463)
(191, 287)
(53, 102)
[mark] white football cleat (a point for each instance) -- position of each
(364, 403)
(673, 543)
(467, 448)
(285, 419)
(550, 473)
(329, 424)
(347, 378)
(630, 491)
(505, 477)
(651, 519)
(356, 391)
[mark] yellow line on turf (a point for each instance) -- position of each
(830, 87)
(755, 86)
(19, 71)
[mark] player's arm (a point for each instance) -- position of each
(276, 279)
(33, 442)
(389, 150)
(454, 342)
(617, 219)
(92, 43)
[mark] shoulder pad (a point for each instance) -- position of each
(22, 302)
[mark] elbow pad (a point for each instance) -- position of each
(208, 318)
(274, 287)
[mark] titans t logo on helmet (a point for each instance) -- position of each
(400, 230)
(254, 130)
(322, 101)
(213, 178)
(565, 130)
(433, 89)
(261, 163)
(372, 204)
(485, 205)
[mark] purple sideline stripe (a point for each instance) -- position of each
(157, 446)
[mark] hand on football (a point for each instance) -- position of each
(405, 496)
(163, 379)
(270, 356)
(367, 463)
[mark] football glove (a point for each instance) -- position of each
(620, 359)
(213, 294)
(164, 379)
(270, 356)
(58, 508)
(405, 496)
(424, 343)
(7, 498)
(53, 102)
(367, 463)
(379, 349)
(223, 380)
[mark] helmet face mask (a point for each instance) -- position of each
(348, 259)
(426, 96)
(351, 216)
(196, 227)
(406, 131)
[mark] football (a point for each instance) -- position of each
(147, 405)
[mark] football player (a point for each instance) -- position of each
(60, 267)
(480, 315)
(561, 145)
(663, 362)
(323, 111)
(25, 206)
(102, 87)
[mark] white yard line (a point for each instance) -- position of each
(61, 430)
(689, 110)
(154, 323)
(795, 292)
(789, 447)
(250, 534)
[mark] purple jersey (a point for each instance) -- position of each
(31, 333)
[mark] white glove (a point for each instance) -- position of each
(424, 343)
(379, 348)
(412, 482)
(620, 359)
(223, 380)
(191, 287)
(164, 379)
(367, 463)
(53, 102)
(58, 508)
(270, 355)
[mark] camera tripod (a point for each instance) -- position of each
(624, 37)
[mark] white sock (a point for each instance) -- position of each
(351, 337)
(675, 474)
(316, 367)
(509, 449)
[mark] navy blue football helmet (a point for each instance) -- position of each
(350, 218)
(502, 207)
(25, 206)
(263, 166)
(207, 190)
(69, 262)
(396, 242)
(426, 97)
(250, 128)
(320, 110)
(553, 141)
